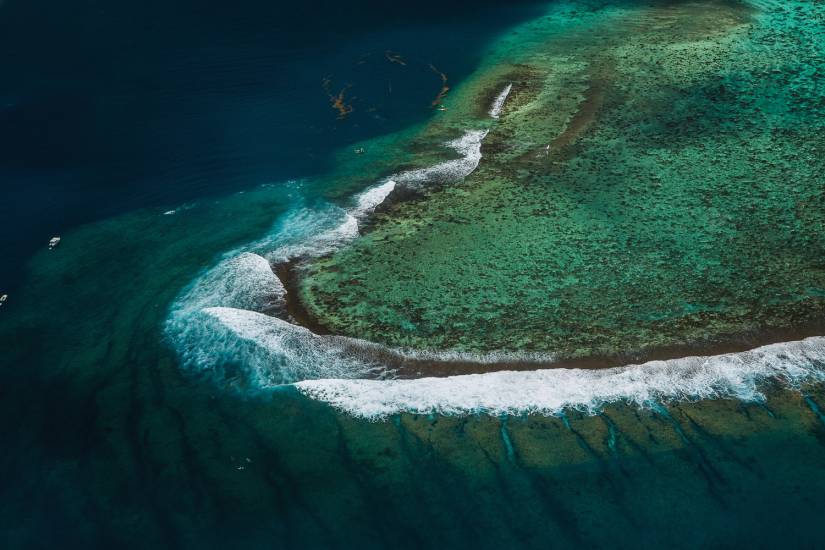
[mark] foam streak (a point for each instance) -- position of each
(468, 146)
(498, 103)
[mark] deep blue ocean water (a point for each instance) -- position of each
(107, 108)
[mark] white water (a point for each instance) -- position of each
(314, 232)
(273, 351)
(277, 352)
(468, 146)
(370, 199)
(551, 391)
(244, 281)
(498, 103)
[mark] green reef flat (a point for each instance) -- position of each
(654, 181)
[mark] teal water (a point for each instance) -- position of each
(110, 440)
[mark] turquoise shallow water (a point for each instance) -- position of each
(111, 441)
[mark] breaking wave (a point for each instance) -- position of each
(551, 391)
(272, 351)
(498, 103)
(314, 232)
(468, 146)
(244, 281)
(275, 352)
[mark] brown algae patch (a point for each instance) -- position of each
(445, 89)
(650, 185)
(338, 100)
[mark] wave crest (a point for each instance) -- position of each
(551, 391)
(498, 102)
(468, 146)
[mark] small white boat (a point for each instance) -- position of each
(3, 299)
(54, 241)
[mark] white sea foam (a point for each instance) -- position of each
(216, 320)
(370, 199)
(468, 146)
(308, 232)
(314, 232)
(273, 351)
(243, 281)
(551, 391)
(498, 103)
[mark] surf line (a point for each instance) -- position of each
(401, 363)
(550, 392)
(498, 102)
